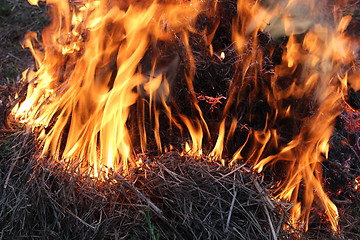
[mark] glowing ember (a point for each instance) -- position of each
(105, 73)
(357, 184)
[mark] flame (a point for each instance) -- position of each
(106, 79)
(101, 46)
(357, 184)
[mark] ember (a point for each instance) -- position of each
(357, 184)
(115, 80)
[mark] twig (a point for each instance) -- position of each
(15, 57)
(263, 195)
(280, 224)
(12, 166)
(145, 199)
(70, 212)
(231, 210)
(9, 172)
(174, 175)
(79, 219)
(239, 233)
(270, 223)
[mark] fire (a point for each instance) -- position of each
(106, 73)
(357, 184)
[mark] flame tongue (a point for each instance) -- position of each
(318, 58)
(100, 47)
(102, 64)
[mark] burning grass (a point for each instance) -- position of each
(271, 100)
(170, 197)
(167, 197)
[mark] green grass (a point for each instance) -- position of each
(154, 232)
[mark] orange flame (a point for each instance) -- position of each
(99, 60)
(101, 46)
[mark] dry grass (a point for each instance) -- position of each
(171, 197)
